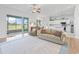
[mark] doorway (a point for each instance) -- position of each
(17, 25)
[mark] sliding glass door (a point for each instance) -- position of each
(17, 24)
(25, 24)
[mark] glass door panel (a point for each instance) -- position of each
(19, 22)
(11, 24)
(25, 25)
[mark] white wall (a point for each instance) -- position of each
(3, 17)
(76, 20)
(46, 11)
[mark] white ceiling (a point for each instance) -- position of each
(49, 9)
(25, 7)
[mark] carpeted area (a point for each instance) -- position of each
(29, 45)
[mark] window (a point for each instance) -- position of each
(16, 24)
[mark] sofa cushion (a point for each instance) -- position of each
(52, 32)
(51, 38)
(57, 33)
(43, 31)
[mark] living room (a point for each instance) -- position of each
(39, 27)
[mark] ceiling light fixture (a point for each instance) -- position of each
(35, 8)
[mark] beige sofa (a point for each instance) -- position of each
(51, 35)
(71, 41)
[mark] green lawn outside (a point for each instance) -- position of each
(16, 27)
